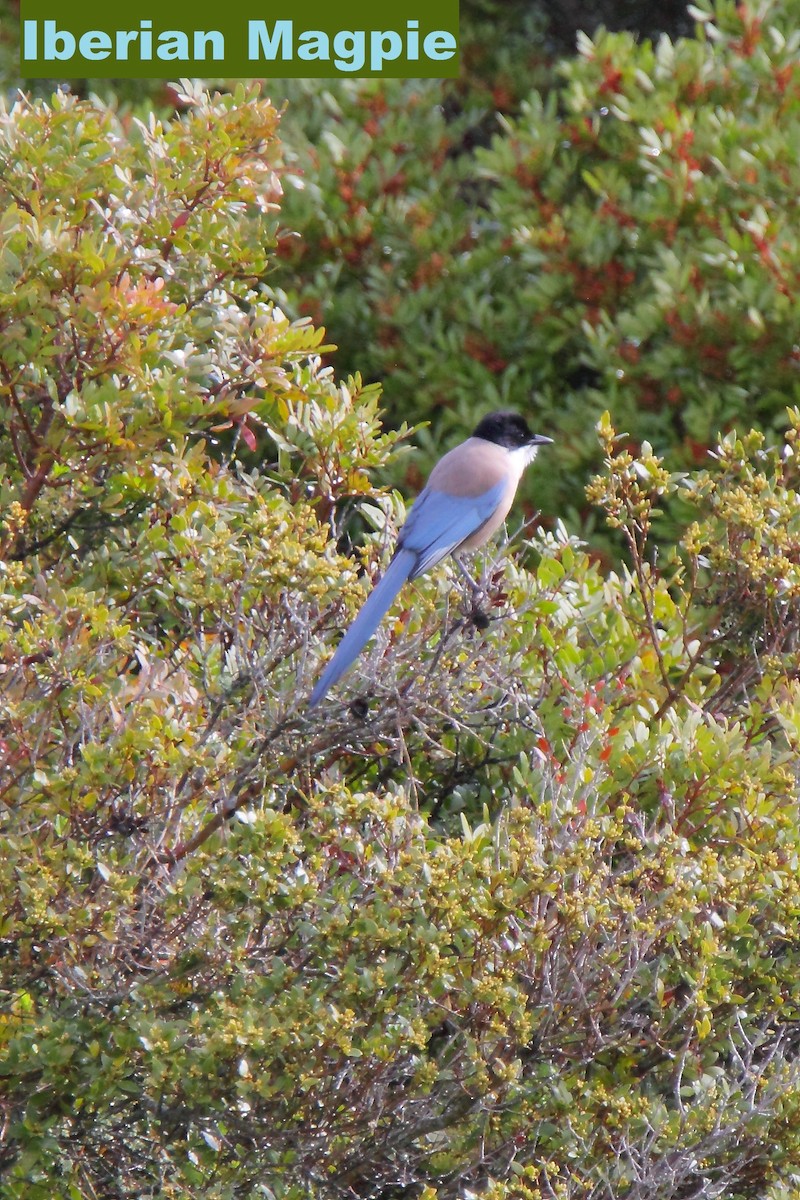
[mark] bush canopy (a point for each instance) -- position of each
(516, 913)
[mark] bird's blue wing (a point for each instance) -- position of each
(438, 523)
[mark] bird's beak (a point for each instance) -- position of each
(539, 439)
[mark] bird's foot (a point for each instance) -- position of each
(479, 617)
(478, 590)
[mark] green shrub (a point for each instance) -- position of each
(628, 240)
(519, 923)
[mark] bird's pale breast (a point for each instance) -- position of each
(471, 470)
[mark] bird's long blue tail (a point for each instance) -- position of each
(365, 624)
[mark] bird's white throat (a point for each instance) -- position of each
(523, 456)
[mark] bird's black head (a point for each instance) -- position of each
(507, 428)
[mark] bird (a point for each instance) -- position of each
(466, 499)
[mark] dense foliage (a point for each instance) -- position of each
(629, 238)
(516, 913)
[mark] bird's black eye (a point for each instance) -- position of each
(521, 434)
(505, 428)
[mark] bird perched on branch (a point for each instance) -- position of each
(465, 501)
